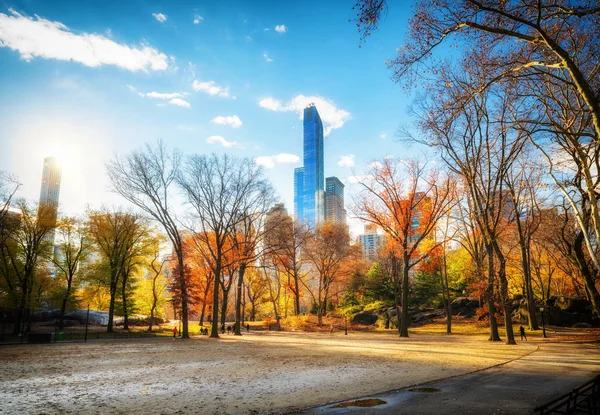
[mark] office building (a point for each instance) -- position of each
(371, 242)
(50, 191)
(310, 203)
(334, 201)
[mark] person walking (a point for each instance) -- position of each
(174, 332)
(522, 331)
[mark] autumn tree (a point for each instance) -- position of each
(119, 237)
(545, 51)
(406, 202)
(153, 287)
(146, 178)
(327, 251)
(73, 248)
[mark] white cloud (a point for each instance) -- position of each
(332, 116)
(175, 98)
(218, 139)
(280, 28)
(375, 165)
(160, 17)
(270, 161)
(267, 57)
(160, 95)
(359, 179)
(180, 102)
(266, 29)
(198, 18)
(271, 104)
(383, 136)
(346, 161)
(232, 120)
(211, 88)
(38, 37)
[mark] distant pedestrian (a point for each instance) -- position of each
(248, 327)
(223, 329)
(522, 331)
(174, 332)
(331, 329)
(229, 329)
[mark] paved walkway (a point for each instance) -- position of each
(516, 387)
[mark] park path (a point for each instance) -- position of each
(516, 387)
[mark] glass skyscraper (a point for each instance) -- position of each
(334, 201)
(309, 181)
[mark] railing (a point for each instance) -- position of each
(582, 400)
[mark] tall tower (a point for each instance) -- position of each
(313, 211)
(334, 201)
(50, 191)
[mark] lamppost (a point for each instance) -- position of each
(543, 323)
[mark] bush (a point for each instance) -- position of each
(296, 323)
(375, 305)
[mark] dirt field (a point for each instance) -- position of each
(255, 373)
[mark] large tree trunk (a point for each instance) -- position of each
(238, 300)
(224, 306)
(184, 295)
(525, 261)
(214, 330)
(494, 335)
(586, 273)
(404, 320)
(510, 337)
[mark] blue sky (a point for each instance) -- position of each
(82, 80)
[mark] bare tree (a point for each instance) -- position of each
(145, 178)
(216, 187)
(286, 239)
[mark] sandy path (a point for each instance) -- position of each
(255, 373)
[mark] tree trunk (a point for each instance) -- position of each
(154, 302)
(494, 335)
(63, 306)
(296, 293)
(224, 306)
(586, 273)
(238, 300)
(214, 330)
(404, 321)
(510, 337)
(184, 295)
(111, 307)
(526, 263)
(124, 298)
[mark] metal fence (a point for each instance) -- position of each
(49, 331)
(582, 400)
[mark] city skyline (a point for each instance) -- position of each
(190, 90)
